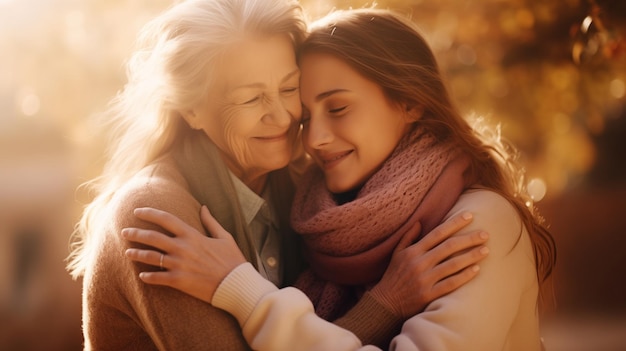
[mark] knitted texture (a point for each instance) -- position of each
(351, 244)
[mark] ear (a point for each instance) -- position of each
(413, 112)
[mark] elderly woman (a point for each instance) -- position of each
(210, 115)
(197, 123)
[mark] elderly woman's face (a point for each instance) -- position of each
(253, 111)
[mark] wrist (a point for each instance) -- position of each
(385, 301)
(371, 322)
(240, 291)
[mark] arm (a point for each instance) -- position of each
(278, 319)
(495, 311)
(164, 317)
(262, 309)
(283, 318)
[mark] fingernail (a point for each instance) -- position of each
(467, 216)
(484, 250)
(484, 235)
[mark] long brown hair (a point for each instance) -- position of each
(388, 49)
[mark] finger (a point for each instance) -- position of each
(443, 231)
(148, 237)
(409, 238)
(164, 278)
(455, 281)
(456, 245)
(456, 264)
(149, 257)
(211, 224)
(164, 219)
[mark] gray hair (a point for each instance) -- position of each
(170, 73)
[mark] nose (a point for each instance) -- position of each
(317, 133)
(278, 114)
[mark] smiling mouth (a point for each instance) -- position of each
(330, 161)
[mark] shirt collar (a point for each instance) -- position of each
(249, 201)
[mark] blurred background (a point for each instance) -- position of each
(551, 72)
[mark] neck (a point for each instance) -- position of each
(256, 184)
(254, 179)
(346, 196)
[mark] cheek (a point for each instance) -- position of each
(230, 131)
(294, 106)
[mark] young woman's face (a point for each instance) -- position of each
(349, 126)
(254, 110)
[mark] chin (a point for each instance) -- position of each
(343, 185)
(278, 163)
(336, 188)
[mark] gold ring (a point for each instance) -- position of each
(161, 262)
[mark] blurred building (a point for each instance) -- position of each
(39, 303)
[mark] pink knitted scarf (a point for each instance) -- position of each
(349, 246)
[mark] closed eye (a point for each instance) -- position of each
(254, 99)
(337, 110)
(290, 90)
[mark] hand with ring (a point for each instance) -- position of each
(196, 264)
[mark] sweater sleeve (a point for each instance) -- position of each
(480, 315)
(371, 322)
(277, 319)
(497, 309)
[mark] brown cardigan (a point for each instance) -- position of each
(120, 312)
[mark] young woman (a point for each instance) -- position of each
(391, 151)
(210, 115)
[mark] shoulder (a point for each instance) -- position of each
(154, 180)
(486, 205)
(494, 214)
(161, 186)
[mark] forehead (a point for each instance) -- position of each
(321, 72)
(255, 59)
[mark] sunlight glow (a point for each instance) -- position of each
(618, 88)
(536, 189)
(28, 102)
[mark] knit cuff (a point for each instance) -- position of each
(240, 292)
(371, 322)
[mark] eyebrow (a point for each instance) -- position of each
(326, 94)
(261, 85)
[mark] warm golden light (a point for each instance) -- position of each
(617, 88)
(539, 68)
